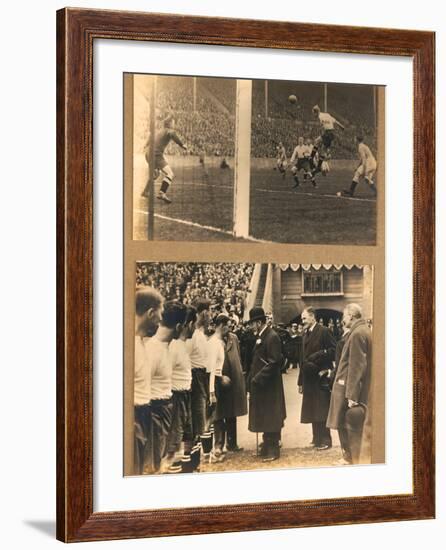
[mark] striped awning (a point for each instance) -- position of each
(308, 267)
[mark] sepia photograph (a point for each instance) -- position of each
(223, 159)
(245, 366)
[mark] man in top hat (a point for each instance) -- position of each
(267, 400)
(349, 397)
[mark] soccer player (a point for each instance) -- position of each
(313, 159)
(162, 139)
(202, 161)
(181, 428)
(148, 309)
(224, 164)
(198, 352)
(327, 123)
(216, 359)
(300, 160)
(281, 159)
(366, 168)
(157, 350)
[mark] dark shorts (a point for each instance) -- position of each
(303, 164)
(181, 427)
(327, 138)
(200, 397)
(143, 439)
(161, 421)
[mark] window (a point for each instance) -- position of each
(322, 282)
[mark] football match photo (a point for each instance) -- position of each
(222, 159)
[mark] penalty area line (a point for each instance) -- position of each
(202, 226)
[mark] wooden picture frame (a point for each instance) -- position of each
(77, 29)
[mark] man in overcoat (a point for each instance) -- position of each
(317, 362)
(267, 400)
(231, 396)
(350, 391)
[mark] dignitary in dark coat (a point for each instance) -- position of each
(231, 396)
(313, 381)
(349, 398)
(267, 400)
(293, 346)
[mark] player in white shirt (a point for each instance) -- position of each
(198, 352)
(300, 160)
(148, 308)
(328, 124)
(157, 349)
(216, 362)
(181, 429)
(281, 159)
(366, 168)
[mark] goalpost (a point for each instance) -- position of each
(242, 158)
(151, 159)
(185, 212)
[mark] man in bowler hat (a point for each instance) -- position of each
(267, 400)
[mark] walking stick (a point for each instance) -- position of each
(257, 443)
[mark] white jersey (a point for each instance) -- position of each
(281, 153)
(143, 374)
(300, 152)
(161, 367)
(181, 365)
(327, 121)
(216, 359)
(197, 347)
(365, 154)
(367, 167)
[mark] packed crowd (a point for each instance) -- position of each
(210, 128)
(225, 285)
(268, 132)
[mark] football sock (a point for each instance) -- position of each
(165, 186)
(353, 187)
(372, 186)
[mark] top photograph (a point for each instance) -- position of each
(223, 159)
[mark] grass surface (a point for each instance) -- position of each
(278, 212)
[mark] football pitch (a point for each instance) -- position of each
(202, 207)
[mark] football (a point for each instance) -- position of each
(292, 99)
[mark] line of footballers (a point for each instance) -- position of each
(312, 158)
(177, 379)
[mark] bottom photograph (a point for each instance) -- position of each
(246, 366)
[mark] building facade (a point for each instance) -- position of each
(328, 288)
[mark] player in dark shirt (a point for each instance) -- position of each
(224, 164)
(162, 139)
